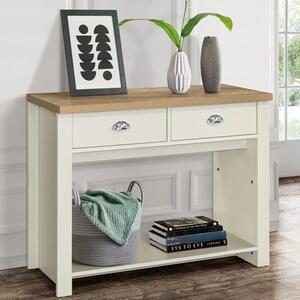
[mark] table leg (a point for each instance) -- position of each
(64, 206)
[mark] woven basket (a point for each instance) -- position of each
(91, 246)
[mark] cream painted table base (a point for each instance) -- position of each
(58, 135)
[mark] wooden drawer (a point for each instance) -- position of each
(213, 121)
(119, 128)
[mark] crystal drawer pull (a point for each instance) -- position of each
(120, 126)
(215, 120)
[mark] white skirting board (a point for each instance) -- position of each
(13, 262)
(274, 226)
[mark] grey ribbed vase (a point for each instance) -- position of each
(210, 65)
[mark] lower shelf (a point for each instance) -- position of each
(150, 257)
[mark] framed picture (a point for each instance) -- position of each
(93, 52)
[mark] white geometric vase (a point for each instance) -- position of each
(179, 73)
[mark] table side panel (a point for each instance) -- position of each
(235, 191)
(47, 194)
(55, 199)
(33, 186)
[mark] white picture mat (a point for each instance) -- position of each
(91, 22)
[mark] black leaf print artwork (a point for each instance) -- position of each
(103, 47)
(86, 56)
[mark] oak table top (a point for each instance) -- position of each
(145, 98)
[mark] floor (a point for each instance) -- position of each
(218, 279)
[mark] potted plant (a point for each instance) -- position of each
(179, 72)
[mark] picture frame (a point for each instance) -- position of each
(93, 52)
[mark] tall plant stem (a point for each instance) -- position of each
(182, 25)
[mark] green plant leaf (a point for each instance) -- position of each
(128, 20)
(168, 28)
(190, 25)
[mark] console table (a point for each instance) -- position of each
(233, 124)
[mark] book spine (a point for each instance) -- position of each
(186, 227)
(196, 238)
(194, 231)
(191, 246)
(208, 220)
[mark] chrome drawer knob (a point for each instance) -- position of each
(215, 120)
(121, 126)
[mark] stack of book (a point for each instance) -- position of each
(187, 234)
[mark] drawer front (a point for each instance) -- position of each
(213, 121)
(119, 128)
